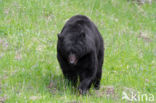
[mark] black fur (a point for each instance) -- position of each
(81, 39)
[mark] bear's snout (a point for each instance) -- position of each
(72, 59)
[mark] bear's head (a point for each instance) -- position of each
(72, 44)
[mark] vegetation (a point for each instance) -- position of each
(29, 71)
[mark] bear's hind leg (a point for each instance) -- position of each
(98, 77)
(97, 80)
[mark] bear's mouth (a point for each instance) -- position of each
(72, 59)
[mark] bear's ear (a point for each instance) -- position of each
(59, 36)
(82, 34)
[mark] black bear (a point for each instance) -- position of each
(80, 52)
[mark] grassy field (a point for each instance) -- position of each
(30, 73)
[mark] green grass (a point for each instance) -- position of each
(28, 37)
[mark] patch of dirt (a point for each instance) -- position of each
(18, 56)
(141, 1)
(6, 11)
(147, 80)
(144, 36)
(2, 99)
(108, 91)
(52, 87)
(40, 48)
(74, 102)
(35, 97)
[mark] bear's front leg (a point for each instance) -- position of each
(85, 85)
(88, 75)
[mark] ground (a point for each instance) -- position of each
(29, 71)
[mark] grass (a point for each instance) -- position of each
(30, 73)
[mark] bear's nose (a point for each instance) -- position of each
(72, 59)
